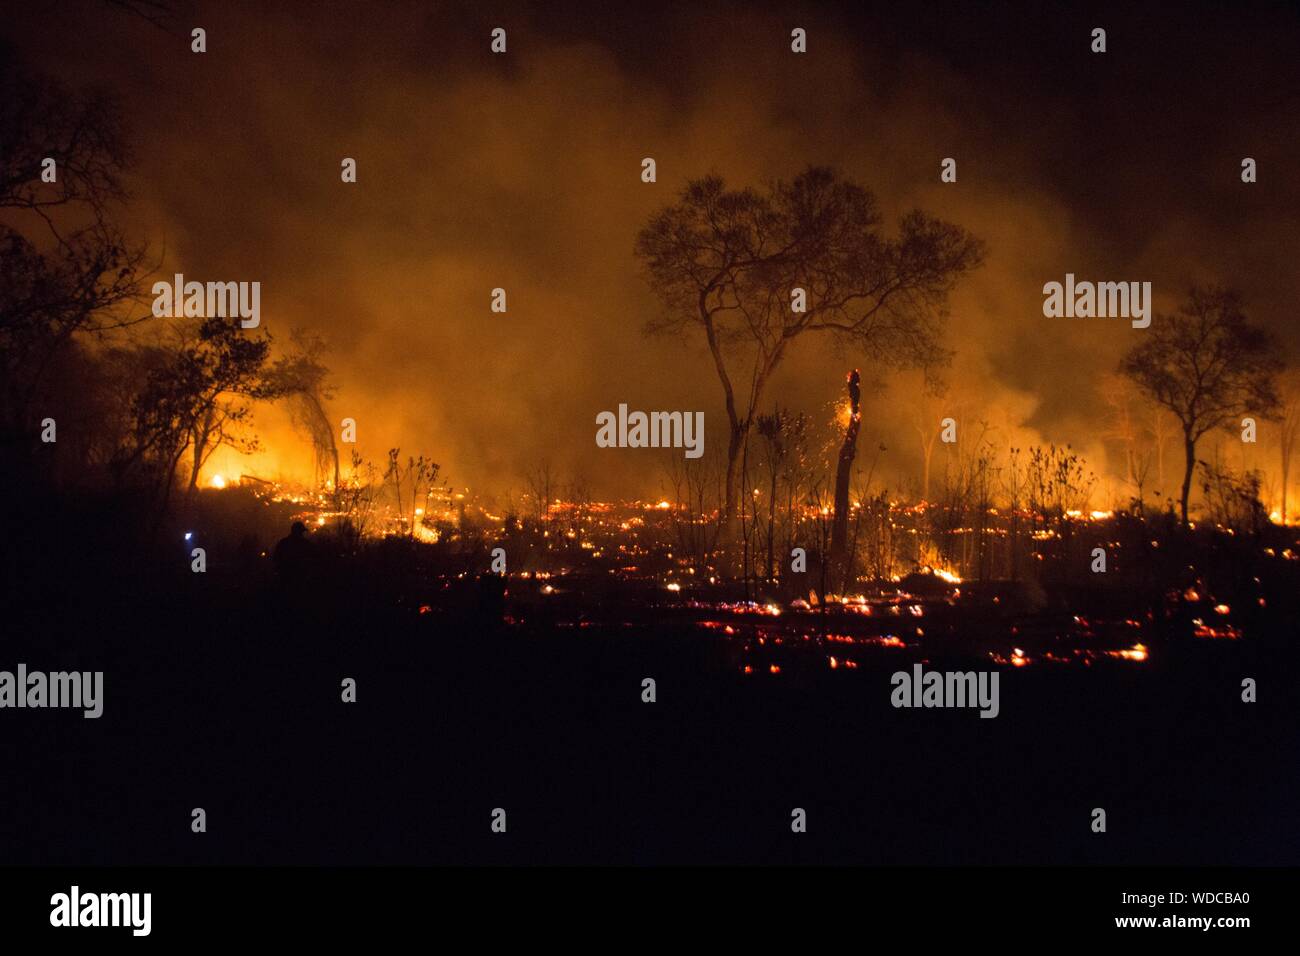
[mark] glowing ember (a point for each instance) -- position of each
(1227, 632)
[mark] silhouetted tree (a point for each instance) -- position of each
(65, 269)
(1209, 365)
(194, 397)
(303, 381)
(725, 262)
(772, 429)
(421, 472)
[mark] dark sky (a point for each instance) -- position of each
(522, 171)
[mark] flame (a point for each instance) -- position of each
(843, 414)
(218, 481)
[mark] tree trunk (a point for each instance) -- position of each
(925, 481)
(771, 522)
(734, 446)
(1189, 446)
(848, 451)
(196, 465)
(201, 434)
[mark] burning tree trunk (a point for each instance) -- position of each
(848, 450)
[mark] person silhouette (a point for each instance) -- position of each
(293, 557)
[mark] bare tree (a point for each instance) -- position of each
(421, 472)
(1121, 423)
(302, 379)
(695, 514)
(1126, 425)
(231, 373)
(542, 481)
(1209, 365)
(1014, 486)
(154, 12)
(65, 269)
(194, 396)
(727, 262)
(356, 500)
(772, 429)
(1162, 427)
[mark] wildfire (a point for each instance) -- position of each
(218, 481)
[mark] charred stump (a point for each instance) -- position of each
(843, 471)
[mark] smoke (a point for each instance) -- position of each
(522, 172)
